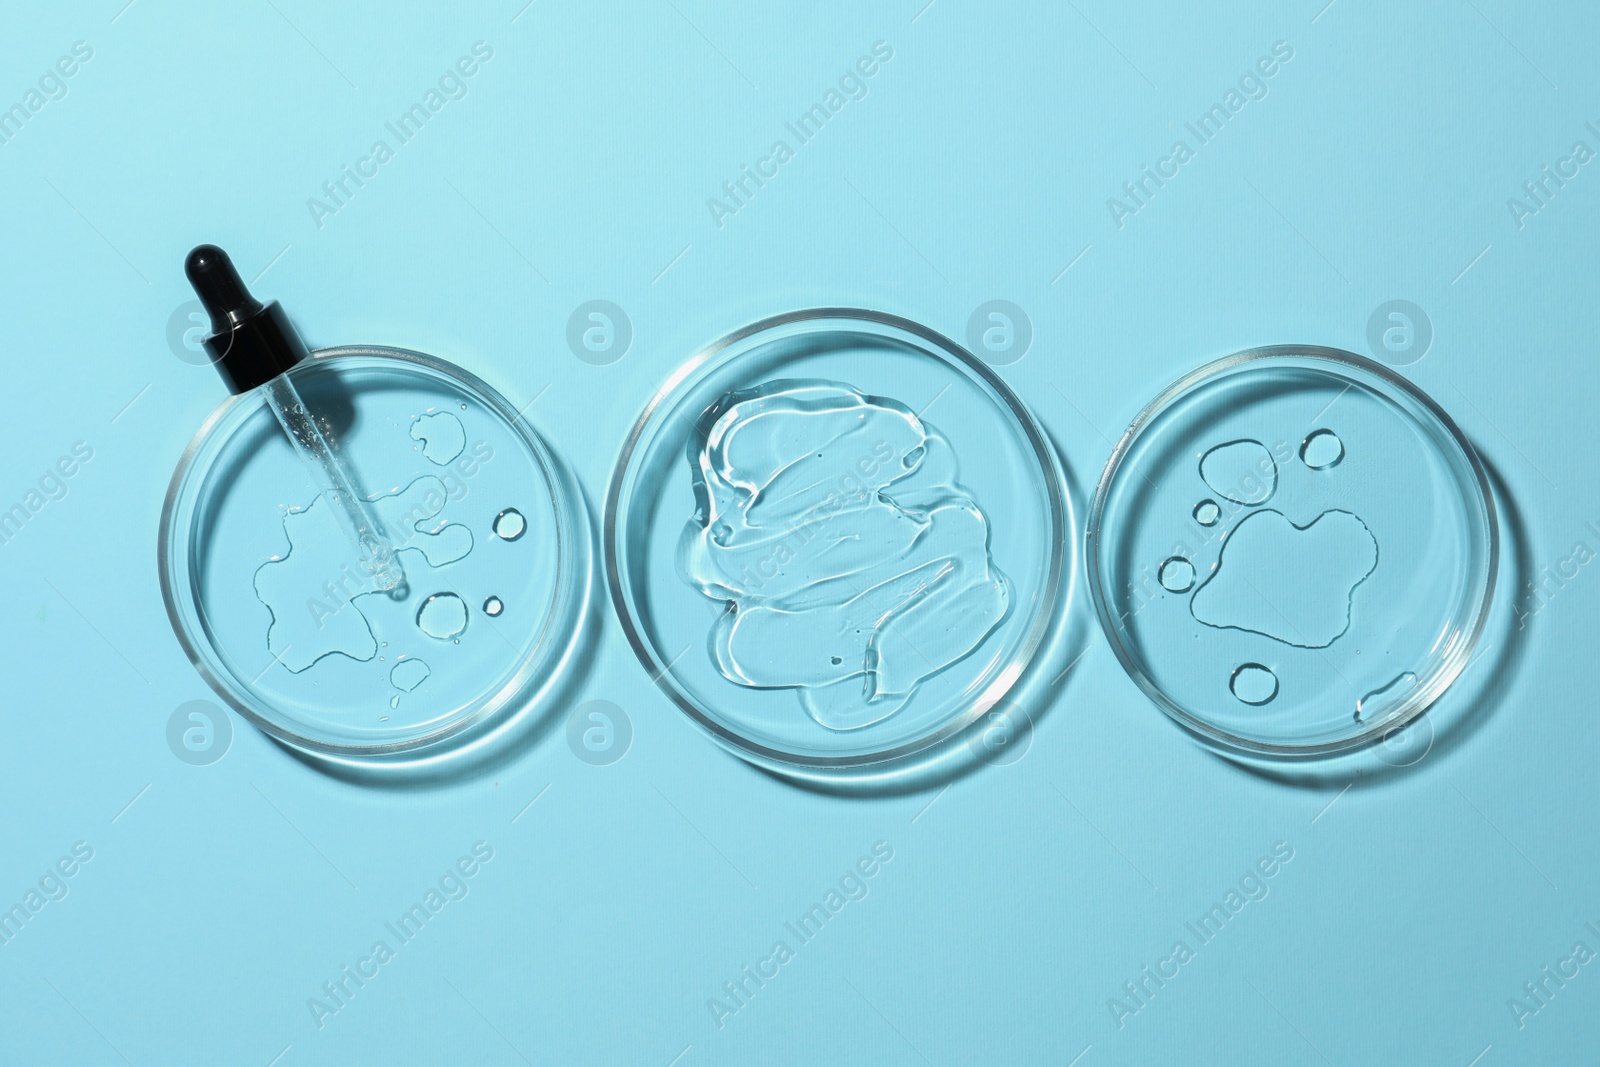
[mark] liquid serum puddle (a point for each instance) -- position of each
(405, 676)
(1176, 575)
(443, 616)
(409, 514)
(1322, 450)
(308, 588)
(442, 436)
(1241, 471)
(408, 673)
(852, 562)
(1253, 684)
(510, 525)
(1294, 584)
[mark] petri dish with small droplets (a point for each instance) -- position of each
(1292, 551)
(267, 597)
(836, 540)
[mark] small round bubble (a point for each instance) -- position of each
(1177, 575)
(442, 616)
(1322, 450)
(1254, 684)
(510, 525)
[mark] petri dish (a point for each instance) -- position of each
(266, 596)
(836, 539)
(1293, 551)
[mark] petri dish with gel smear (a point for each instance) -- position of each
(836, 539)
(267, 597)
(1293, 551)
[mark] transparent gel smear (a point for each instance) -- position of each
(851, 562)
(824, 473)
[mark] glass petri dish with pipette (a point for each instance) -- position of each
(1293, 551)
(836, 540)
(366, 551)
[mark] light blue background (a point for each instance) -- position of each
(978, 167)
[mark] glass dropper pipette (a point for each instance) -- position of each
(253, 346)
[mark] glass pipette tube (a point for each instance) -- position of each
(254, 346)
(322, 462)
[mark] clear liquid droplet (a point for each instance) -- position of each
(1253, 684)
(442, 616)
(442, 436)
(407, 674)
(1241, 471)
(1207, 512)
(1176, 575)
(493, 606)
(510, 525)
(1322, 450)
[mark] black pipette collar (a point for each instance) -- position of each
(250, 343)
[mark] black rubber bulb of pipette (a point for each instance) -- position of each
(251, 343)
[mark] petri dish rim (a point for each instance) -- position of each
(1062, 558)
(1455, 657)
(567, 601)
